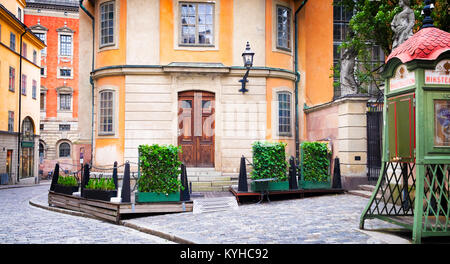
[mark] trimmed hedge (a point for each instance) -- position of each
(315, 161)
(269, 160)
(160, 167)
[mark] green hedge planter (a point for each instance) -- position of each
(307, 185)
(273, 186)
(153, 197)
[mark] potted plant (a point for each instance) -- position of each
(159, 169)
(100, 189)
(315, 165)
(66, 185)
(269, 161)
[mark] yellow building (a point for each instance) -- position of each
(168, 71)
(19, 95)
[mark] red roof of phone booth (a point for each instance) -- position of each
(426, 44)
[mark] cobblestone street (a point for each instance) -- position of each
(26, 224)
(330, 219)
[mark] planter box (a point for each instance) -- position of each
(273, 186)
(314, 185)
(151, 197)
(65, 189)
(99, 194)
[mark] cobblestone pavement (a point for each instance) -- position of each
(331, 219)
(22, 223)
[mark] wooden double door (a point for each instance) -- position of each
(196, 125)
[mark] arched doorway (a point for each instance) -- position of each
(27, 148)
(196, 124)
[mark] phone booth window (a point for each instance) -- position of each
(442, 123)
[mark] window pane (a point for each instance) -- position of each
(106, 112)
(107, 23)
(283, 27)
(284, 113)
(196, 21)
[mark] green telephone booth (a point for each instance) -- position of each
(413, 189)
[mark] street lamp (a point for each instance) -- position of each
(247, 55)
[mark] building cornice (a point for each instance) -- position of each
(200, 68)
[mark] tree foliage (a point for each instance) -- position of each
(371, 25)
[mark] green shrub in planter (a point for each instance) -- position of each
(160, 167)
(101, 184)
(269, 160)
(315, 164)
(67, 180)
(66, 184)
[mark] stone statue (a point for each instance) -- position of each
(402, 24)
(347, 76)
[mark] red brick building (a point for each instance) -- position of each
(57, 24)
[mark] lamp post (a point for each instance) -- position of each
(247, 55)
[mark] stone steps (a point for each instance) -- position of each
(214, 205)
(363, 191)
(208, 179)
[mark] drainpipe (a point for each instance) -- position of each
(297, 80)
(20, 104)
(91, 80)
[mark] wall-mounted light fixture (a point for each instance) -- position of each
(247, 55)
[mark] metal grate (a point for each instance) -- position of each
(436, 197)
(374, 139)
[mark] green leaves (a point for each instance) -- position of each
(269, 160)
(101, 184)
(160, 167)
(315, 161)
(67, 180)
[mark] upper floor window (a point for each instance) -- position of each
(10, 121)
(24, 84)
(65, 45)
(107, 23)
(106, 112)
(24, 50)
(284, 114)
(283, 27)
(19, 14)
(65, 102)
(65, 72)
(12, 79)
(34, 56)
(12, 41)
(34, 89)
(43, 37)
(197, 24)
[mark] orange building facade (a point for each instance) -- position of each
(168, 71)
(58, 27)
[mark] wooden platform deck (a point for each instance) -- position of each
(114, 211)
(299, 192)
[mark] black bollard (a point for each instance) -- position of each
(292, 174)
(126, 193)
(184, 194)
(242, 185)
(84, 178)
(114, 176)
(336, 175)
(55, 177)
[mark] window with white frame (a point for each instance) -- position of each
(10, 121)
(107, 23)
(43, 37)
(65, 45)
(196, 24)
(284, 113)
(12, 79)
(65, 73)
(284, 28)
(65, 102)
(106, 112)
